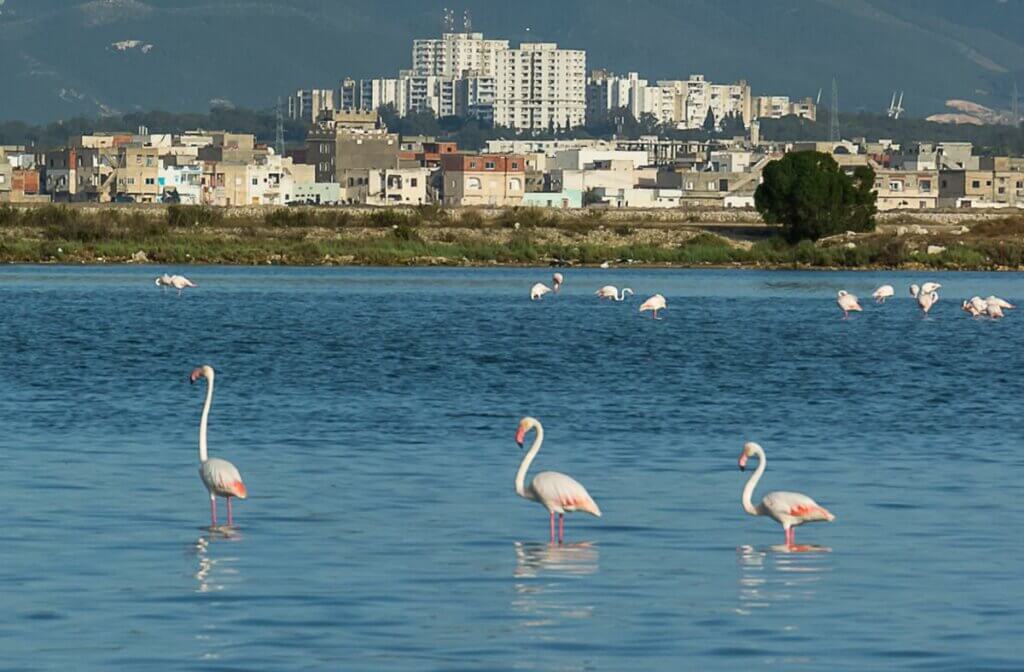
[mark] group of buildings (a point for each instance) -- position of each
(350, 157)
(535, 87)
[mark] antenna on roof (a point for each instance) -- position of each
(448, 20)
(833, 117)
(279, 139)
(1015, 105)
(896, 107)
(467, 22)
(817, 101)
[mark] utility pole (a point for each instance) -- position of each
(833, 117)
(1015, 105)
(279, 140)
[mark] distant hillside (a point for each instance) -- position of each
(66, 57)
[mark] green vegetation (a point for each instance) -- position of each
(810, 197)
(184, 234)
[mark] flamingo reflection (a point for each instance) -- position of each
(540, 595)
(214, 573)
(781, 573)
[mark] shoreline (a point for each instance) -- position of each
(429, 236)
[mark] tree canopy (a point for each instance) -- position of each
(811, 197)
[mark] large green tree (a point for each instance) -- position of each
(811, 197)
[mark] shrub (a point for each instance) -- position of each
(193, 215)
(407, 233)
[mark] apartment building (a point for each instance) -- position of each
(307, 104)
(344, 145)
(457, 55)
(995, 186)
(906, 189)
(139, 173)
(540, 87)
(6, 178)
(493, 180)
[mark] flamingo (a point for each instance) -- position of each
(538, 290)
(884, 292)
(610, 292)
(927, 300)
(788, 508)
(848, 303)
(557, 279)
(655, 303)
(220, 477)
(1002, 303)
(914, 291)
(930, 287)
(179, 282)
(969, 307)
(979, 304)
(995, 311)
(556, 492)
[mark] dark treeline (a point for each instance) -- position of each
(473, 134)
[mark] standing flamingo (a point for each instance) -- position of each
(655, 303)
(164, 281)
(611, 293)
(848, 302)
(538, 290)
(930, 287)
(220, 477)
(884, 292)
(557, 492)
(914, 291)
(927, 300)
(788, 508)
(557, 279)
(179, 282)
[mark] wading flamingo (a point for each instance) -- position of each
(538, 290)
(884, 292)
(994, 310)
(1002, 303)
(655, 303)
(179, 282)
(848, 303)
(220, 477)
(914, 291)
(927, 300)
(557, 279)
(971, 309)
(556, 492)
(788, 508)
(612, 294)
(930, 287)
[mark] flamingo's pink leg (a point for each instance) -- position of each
(213, 511)
(561, 527)
(552, 527)
(230, 521)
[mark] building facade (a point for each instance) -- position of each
(540, 87)
(491, 180)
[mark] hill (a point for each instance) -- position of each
(67, 57)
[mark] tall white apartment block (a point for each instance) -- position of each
(307, 104)
(457, 55)
(539, 86)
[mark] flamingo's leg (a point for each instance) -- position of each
(561, 527)
(230, 521)
(552, 527)
(213, 511)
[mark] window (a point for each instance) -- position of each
(473, 183)
(255, 182)
(515, 165)
(943, 184)
(472, 164)
(975, 184)
(895, 185)
(515, 184)
(926, 186)
(150, 181)
(413, 182)
(3, 179)
(489, 165)
(1002, 190)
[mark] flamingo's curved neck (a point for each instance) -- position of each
(206, 415)
(748, 491)
(525, 464)
(622, 294)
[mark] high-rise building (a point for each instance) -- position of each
(457, 55)
(307, 104)
(539, 86)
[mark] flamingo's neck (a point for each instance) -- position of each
(525, 464)
(748, 491)
(206, 416)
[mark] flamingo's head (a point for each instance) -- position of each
(749, 450)
(204, 371)
(842, 293)
(525, 425)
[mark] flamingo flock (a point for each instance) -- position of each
(178, 282)
(606, 293)
(927, 297)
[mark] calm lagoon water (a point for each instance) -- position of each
(372, 413)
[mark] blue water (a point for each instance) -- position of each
(372, 414)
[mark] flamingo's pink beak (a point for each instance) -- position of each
(195, 375)
(743, 462)
(520, 436)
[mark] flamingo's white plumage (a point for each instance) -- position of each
(611, 293)
(994, 310)
(930, 287)
(848, 303)
(914, 291)
(884, 292)
(556, 492)
(927, 300)
(538, 290)
(969, 308)
(178, 282)
(789, 509)
(556, 280)
(979, 304)
(655, 303)
(220, 477)
(1002, 303)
